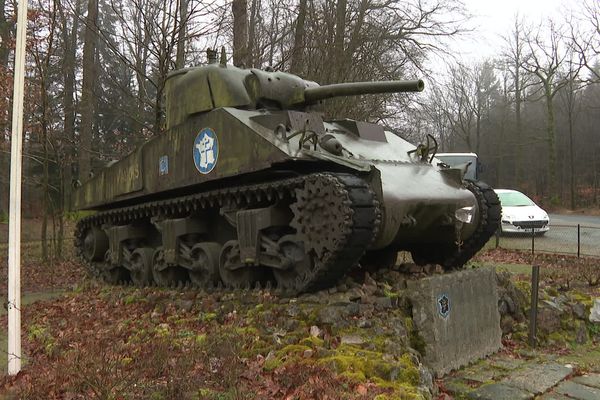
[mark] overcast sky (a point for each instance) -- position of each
(494, 18)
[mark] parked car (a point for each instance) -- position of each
(520, 214)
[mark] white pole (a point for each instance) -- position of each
(14, 221)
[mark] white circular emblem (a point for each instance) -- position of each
(206, 150)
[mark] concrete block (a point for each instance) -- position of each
(457, 316)
(539, 378)
(588, 380)
(577, 391)
(499, 391)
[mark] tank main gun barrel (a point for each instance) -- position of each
(314, 94)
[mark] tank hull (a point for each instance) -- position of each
(418, 199)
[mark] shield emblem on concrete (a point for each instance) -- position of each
(443, 304)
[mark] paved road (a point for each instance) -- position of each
(569, 219)
(501, 377)
(562, 236)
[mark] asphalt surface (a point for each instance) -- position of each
(562, 238)
(563, 219)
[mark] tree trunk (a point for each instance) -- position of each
(298, 49)
(5, 27)
(183, 17)
(240, 32)
(550, 128)
(87, 91)
(70, 49)
(338, 41)
(252, 56)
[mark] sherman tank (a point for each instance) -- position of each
(251, 185)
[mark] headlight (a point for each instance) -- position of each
(465, 214)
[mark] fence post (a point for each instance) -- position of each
(533, 241)
(578, 240)
(497, 237)
(535, 282)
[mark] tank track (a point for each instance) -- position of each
(352, 224)
(491, 212)
(456, 256)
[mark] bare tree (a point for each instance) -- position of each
(513, 56)
(5, 28)
(299, 33)
(240, 32)
(87, 92)
(544, 60)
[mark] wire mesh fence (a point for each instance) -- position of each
(579, 240)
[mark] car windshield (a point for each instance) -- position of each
(514, 199)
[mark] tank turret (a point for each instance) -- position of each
(205, 88)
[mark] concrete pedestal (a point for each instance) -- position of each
(457, 316)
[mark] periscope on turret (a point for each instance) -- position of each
(249, 186)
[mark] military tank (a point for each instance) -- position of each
(250, 185)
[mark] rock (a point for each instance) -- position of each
(355, 294)
(414, 268)
(293, 310)
(539, 378)
(429, 269)
(512, 299)
(342, 287)
(369, 281)
(366, 310)
(499, 391)
(426, 379)
(582, 334)
(579, 310)
(337, 314)
(507, 324)
(549, 319)
(577, 391)
(595, 312)
(555, 303)
(364, 323)
(393, 347)
(352, 339)
(315, 331)
(308, 353)
(592, 380)
(353, 309)
(383, 303)
(332, 290)
(310, 298)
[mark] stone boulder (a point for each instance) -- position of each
(595, 312)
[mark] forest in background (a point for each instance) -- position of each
(96, 72)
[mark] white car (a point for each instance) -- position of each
(520, 214)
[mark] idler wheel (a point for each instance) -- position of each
(165, 274)
(205, 263)
(301, 264)
(233, 272)
(113, 275)
(140, 269)
(95, 244)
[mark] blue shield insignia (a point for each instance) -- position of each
(206, 150)
(443, 305)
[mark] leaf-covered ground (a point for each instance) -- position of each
(107, 342)
(352, 342)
